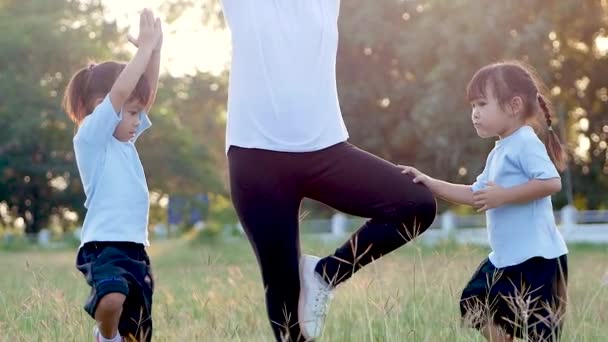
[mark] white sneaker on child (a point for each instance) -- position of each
(315, 295)
(100, 338)
(96, 334)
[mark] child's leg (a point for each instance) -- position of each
(550, 278)
(532, 299)
(113, 270)
(136, 320)
(108, 314)
(478, 303)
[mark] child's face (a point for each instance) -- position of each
(127, 127)
(489, 118)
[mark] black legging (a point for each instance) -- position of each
(267, 188)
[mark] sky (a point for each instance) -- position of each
(187, 45)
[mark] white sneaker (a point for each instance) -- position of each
(96, 334)
(315, 295)
(99, 338)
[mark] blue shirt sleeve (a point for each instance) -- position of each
(483, 178)
(535, 162)
(481, 181)
(144, 125)
(98, 127)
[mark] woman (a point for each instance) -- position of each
(286, 140)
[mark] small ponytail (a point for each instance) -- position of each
(74, 102)
(554, 147)
(94, 82)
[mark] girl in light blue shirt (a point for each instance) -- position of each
(109, 102)
(519, 291)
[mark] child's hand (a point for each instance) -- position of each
(159, 26)
(492, 196)
(419, 177)
(150, 32)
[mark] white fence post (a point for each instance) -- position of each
(568, 215)
(338, 224)
(448, 223)
(44, 237)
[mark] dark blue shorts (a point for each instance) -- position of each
(526, 300)
(122, 267)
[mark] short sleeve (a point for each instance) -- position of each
(481, 181)
(483, 178)
(535, 162)
(98, 127)
(144, 125)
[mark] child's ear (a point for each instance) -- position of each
(517, 106)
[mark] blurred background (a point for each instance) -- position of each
(402, 69)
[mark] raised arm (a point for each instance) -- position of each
(149, 36)
(152, 72)
(153, 67)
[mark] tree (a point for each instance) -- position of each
(184, 153)
(40, 47)
(403, 67)
(413, 60)
(43, 44)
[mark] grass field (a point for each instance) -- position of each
(212, 292)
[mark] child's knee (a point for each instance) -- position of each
(111, 303)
